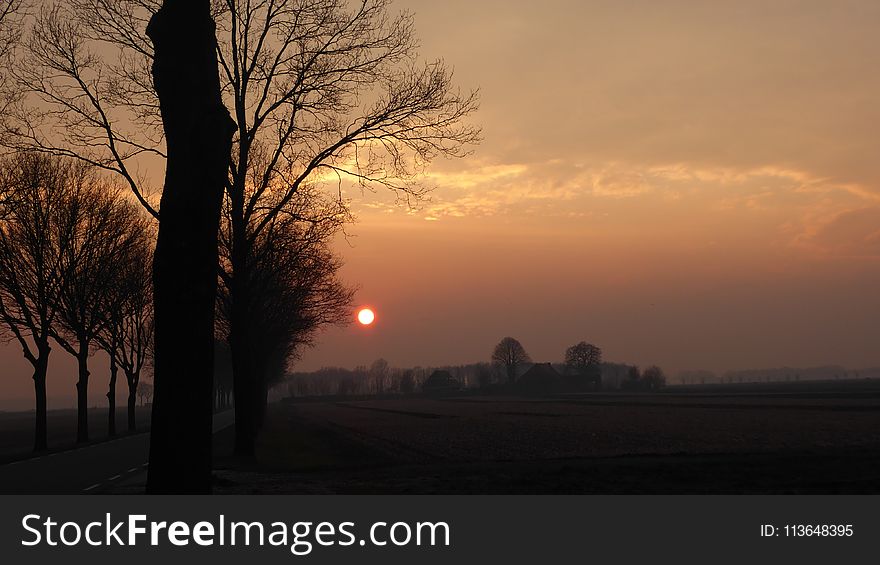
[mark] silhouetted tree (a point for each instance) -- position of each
(510, 354)
(107, 231)
(407, 382)
(198, 134)
(35, 230)
(633, 379)
(653, 378)
(378, 375)
(145, 393)
(581, 356)
(293, 290)
(584, 361)
(127, 336)
(322, 88)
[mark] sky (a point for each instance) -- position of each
(692, 184)
(684, 183)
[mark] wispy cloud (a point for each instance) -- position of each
(801, 201)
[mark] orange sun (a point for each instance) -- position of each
(366, 316)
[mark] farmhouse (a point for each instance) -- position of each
(542, 377)
(440, 382)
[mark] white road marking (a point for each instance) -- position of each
(91, 487)
(114, 477)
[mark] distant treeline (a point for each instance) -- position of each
(780, 374)
(380, 378)
(511, 371)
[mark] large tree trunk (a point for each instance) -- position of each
(82, 393)
(111, 397)
(41, 368)
(132, 380)
(198, 133)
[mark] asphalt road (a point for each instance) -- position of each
(88, 469)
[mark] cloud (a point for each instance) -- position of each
(562, 188)
(849, 234)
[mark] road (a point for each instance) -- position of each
(88, 469)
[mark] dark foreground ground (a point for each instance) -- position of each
(17, 430)
(801, 441)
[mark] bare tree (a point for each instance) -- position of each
(653, 378)
(35, 231)
(145, 393)
(323, 88)
(584, 360)
(294, 289)
(633, 379)
(107, 230)
(510, 354)
(136, 345)
(127, 335)
(407, 382)
(378, 375)
(583, 355)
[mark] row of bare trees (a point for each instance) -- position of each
(377, 379)
(74, 272)
(75, 260)
(251, 107)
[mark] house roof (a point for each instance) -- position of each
(540, 372)
(440, 379)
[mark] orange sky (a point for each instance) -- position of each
(687, 183)
(692, 184)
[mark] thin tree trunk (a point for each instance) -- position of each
(82, 394)
(262, 404)
(243, 365)
(40, 426)
(132, 381)
(111, 397)
(198, 133)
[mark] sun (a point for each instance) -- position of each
(366, 316)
